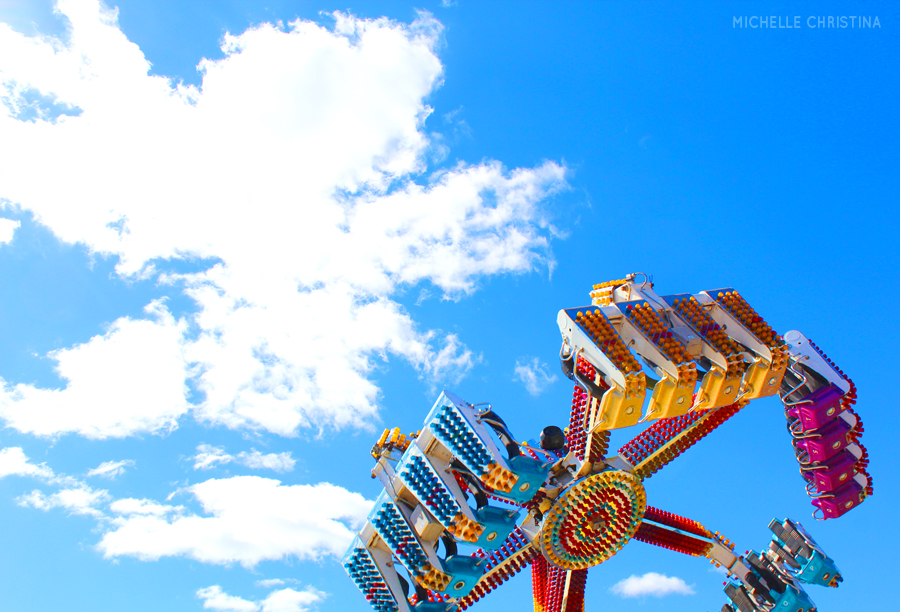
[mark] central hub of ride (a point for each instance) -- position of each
(592, 519)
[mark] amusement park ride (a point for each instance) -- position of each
(564, 503)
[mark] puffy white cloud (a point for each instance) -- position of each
(284, 600)
(14, 462)
(269, 582)
(130, 505)
(7, 228)
(652, 584)
(278, 462)
(289, 600)
(78, 500)
(247, 519)
(214, 598)
(129, 380)
(534, 374)
(111, 469)
(73, 494)
(299, 166)
(209, 456)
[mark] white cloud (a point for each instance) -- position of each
(284, 600)
(209, 456)
(269, 582)
(214, 598)
(535, 374)
(652, 584)
(278, 462)
(73, 495)
(298, 165)
(7, 228)
(129, 380)
(111, 469)
(247, 519)
(13, 462)
(289, 600)
(130, 505)
(78, 500)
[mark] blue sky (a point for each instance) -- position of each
(238, 240)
